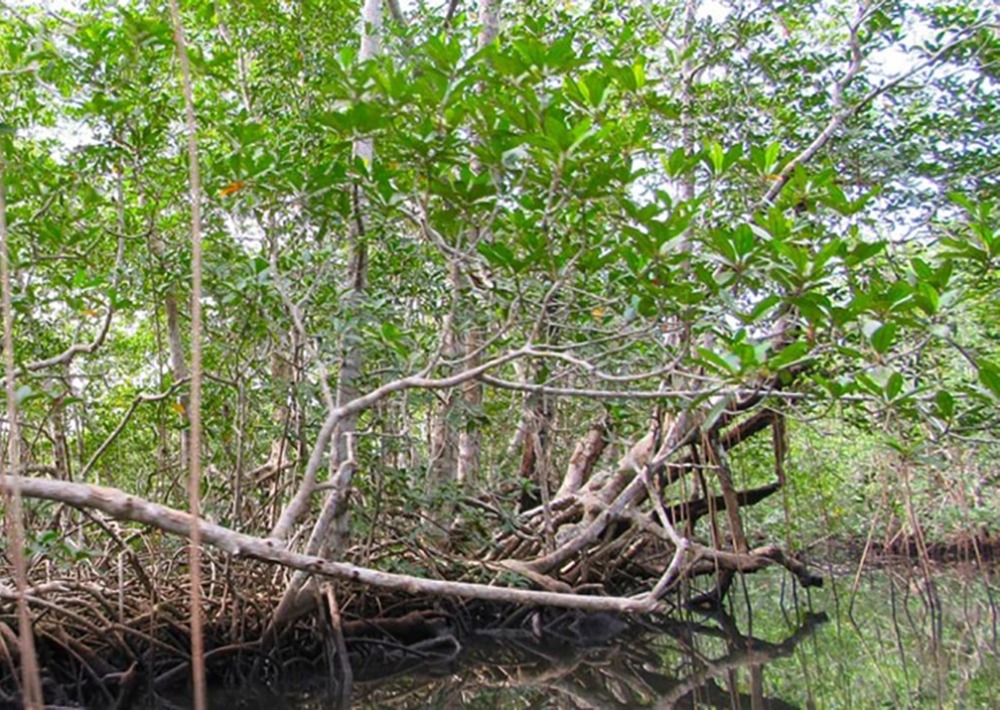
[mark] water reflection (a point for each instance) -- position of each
(887, 638)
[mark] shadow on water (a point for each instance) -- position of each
(885, 638)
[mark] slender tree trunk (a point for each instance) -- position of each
(469, 440)
(489, 21)
(336, 507)
(175, 343)
(13, 515)
(342, 465)
(455, 451)
(281, 376)
(443, 465)
(60, 445)
(329, 532)
(194, 469)
(687, 95)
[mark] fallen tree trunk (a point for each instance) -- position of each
(124, 506)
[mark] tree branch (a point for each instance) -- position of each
(840, 116)
(124, 506)
(300, 501)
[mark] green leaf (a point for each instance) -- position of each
(732, 155)
(718, 408)
(863, 252)
(945, 404)
(834, 388)
(678, 162)
(893, 386)
(962, 201)
(922, 269)
(883, 338)
(639, 72)
(829, 250)
(722, 364)
(498, 254)
(24, 394)
(764, 306)
(927, 298)
(771, 156)
(788, 355)
(989, 375)
(765, 159)
(716, 158)
(390, 332)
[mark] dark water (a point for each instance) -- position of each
(888, 639)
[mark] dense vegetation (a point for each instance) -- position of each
(496, 293)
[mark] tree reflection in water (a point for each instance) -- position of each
(885, 639)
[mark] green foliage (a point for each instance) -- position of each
(598, 189)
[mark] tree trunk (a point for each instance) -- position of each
(329, 532)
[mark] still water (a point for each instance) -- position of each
(887, 638)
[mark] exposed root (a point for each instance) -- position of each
(618, 525)
(615, 540)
